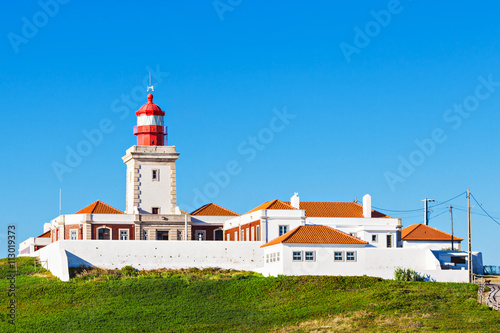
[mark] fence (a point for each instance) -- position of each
(486, 300)
(491, 270)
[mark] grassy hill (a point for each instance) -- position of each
(214, 300)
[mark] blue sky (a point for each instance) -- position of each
(396, 99)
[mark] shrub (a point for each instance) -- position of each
(128, 271)
(407, 274)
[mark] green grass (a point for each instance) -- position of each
(215, 300)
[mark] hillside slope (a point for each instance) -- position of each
(216, 300)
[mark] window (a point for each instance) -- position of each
(267, 258)
(283, 229)
(155, 175)
(179, 234)
(242, 235)
(200, 235)
(247, 238)
(104, 234)
(277, 256)
(273, 257)
(73, 234)
(145, 234)
(374, 238)
(123, 234)
(350, 256)
(338, 256)
(258, 233)
(353, 234)
(228, 237)
(309, 255)
(297, 255)
(235, 236)
(155, 210)
(389, 240)
(252, 234)
(218, 235)
(162, 235)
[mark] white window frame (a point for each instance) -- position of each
(341, 256)
(355, 256)
(374, 238)
(73, 232)
(218, 229)
(267, 258)
(252, 233)
(242, 235)
(293, 255)
(104, 227)
(157, 178)
(144, 234)
(247, 238)
(200, 232)
(386, 239)
(179, 234)
(228, 237)
(258, 233)
(313, 255)
(120, 234)
(236, 236)
(155, 208)
(277, 256)
(284, 226)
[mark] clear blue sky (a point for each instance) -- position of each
(363, 88)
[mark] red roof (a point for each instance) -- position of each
(422, 232)
(46, 234)
(212, 209)
(99, 207)
(273, 204)
(315, 234)
(150, 108)
(335, 209)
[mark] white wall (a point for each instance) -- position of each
(155, 193)
(151, 255)
(369, 261)
(433, 245)
(53, 257)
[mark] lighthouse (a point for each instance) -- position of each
(151, 177)
(150, 129)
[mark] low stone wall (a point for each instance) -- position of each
(151, 255)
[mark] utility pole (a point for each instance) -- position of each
(426, 210)
(451, 217)
(470, 236)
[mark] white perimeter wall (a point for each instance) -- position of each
(150, 255)
(370, 261)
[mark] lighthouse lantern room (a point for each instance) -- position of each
(150, 129)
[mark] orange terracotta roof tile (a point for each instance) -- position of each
(273, 204)
(423, 232)
(315, 234)
(335, 209)
(46, 234)
(99, 207)
(212, 209)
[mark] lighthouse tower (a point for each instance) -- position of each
(151, 181)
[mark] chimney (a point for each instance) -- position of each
(367, 206)
(295, 201)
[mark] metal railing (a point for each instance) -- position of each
(486, 300)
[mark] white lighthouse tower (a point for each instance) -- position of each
(151, 185)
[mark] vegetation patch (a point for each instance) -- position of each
(216, 300)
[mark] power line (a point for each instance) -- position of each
(441, 203)
(420, 209)
(491, 217)
(465, 210)
(399, 211)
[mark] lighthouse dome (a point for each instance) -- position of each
(150, 108)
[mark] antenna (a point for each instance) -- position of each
(150, 86)
(59, 201)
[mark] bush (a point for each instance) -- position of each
(128, 271)
(407, 274)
